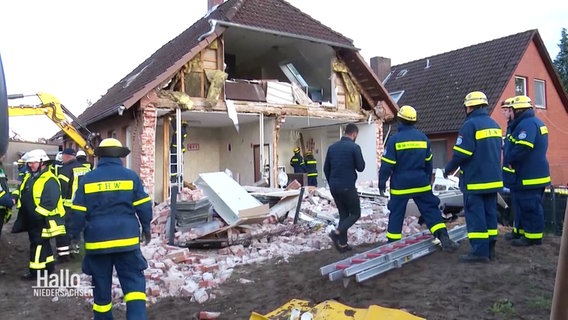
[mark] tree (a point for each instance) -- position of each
(561, 61)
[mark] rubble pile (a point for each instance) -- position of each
(176, 270)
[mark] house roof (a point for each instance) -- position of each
(263, 15)
(436, 86)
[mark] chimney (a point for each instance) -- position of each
(212, 3)
(381, 66)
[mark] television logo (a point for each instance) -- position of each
(62, 284)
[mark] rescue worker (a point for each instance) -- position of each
(527, 157)
(40, 211)
(22, 169)
(111, 204)
(6, 202)
(508, 172)
(81, 156)
(297, 161)
(311, 165)
(407, 161)
(55, 165)
(477, 152)
(69, 176)
(173, 152)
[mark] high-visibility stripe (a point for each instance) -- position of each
(42, 211)
(543, 130)
(488, 133)
(135, 295)
(437, 227)
(311, 162)
(394, 236)
(79, 208)
(429, 158)
(485, 186)
(312, 174)
(519, 231)
(104, 186)
(533, 236)
(508, 169)
(492, 232)
(526, 143)
(478, 235)
(410, 145)
(294, 160)
(410, 190)
(387, 160)
(466, 152)
(532, 182)
(62, 177)
(141, 201)
(102, 308)
(112, 243)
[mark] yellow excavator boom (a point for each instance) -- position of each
(54, 110)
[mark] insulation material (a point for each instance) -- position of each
(353, 98)
(193, 70)
(216, 80)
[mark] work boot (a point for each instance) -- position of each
(447, 244)
(471, 258)
(524, 242)
(335, 240)
(492, 250)
(512, 235)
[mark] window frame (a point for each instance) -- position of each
(517, 92)
(536, 93)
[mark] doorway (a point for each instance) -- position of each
(265, 173)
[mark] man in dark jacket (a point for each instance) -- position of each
(343, 160)
(527, 157)
(112, 206)
(478, 153)
(407, 161)
(6, 202)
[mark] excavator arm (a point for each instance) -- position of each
(54, 110)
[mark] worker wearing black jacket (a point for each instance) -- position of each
(343, 160)
(6, 202)
(69, 176)
(311, 168)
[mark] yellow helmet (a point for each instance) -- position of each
(297, 149)
(475, 98)
(407, 113)
(309, 152)
(508, 103)
(111, 147)
(521, 102)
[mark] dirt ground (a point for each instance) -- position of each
(519, 284)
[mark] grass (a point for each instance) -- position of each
(503, 307)
(540, 302)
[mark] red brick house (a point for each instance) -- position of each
(253, 79)
(501, 68)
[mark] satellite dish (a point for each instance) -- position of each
(282, 178)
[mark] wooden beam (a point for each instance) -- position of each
(275, 139)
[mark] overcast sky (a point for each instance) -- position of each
(77, 50)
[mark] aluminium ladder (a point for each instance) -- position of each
(392, 255)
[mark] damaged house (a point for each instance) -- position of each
(252, 79)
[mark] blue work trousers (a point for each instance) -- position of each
(428, 206)
(530, 212)
(481, 219)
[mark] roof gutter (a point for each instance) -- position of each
(214, 22)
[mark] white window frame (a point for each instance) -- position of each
(395, 96)
(540, 94)
(293, 74)
(524, 89)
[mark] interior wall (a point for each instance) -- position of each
(236, 150)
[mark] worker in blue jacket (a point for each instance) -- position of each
(297, 161)
(527, 158)
(407, 161)
(509, 177)
(6, 202)
(311, 168)
(111, 205)
(477, 152)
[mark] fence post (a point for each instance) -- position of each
(559, 305)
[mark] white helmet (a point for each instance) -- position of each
(81, 153)
(36, 155)
(59, 156)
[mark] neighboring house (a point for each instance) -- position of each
(255, 78)
(501, 68)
